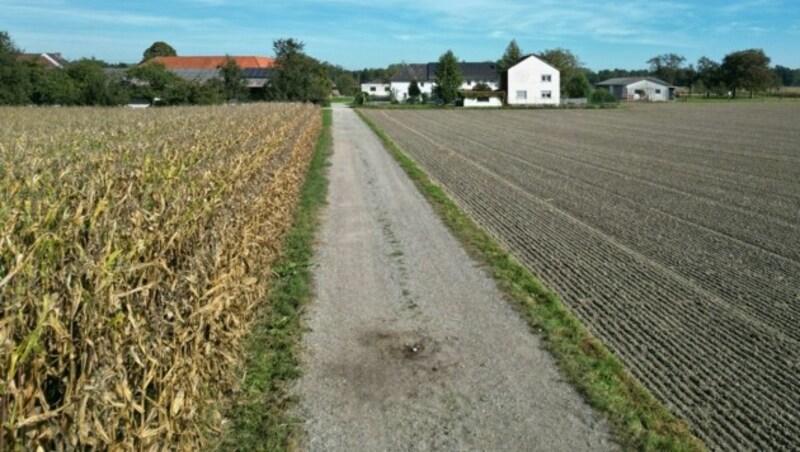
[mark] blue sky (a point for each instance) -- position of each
(374, 33)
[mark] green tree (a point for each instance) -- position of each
(233, 80)
(709, 75)
(748, 70)
(208, 93)
(577, 86)
(92, 83)
(52, 86)
(414, 92)
(565, 61)
(667, 67)
(15, 84)
(297, 76)
(346, 84)
(159, 48)
(448, 78)
(510, 57)
(785, 75)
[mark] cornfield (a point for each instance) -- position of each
(135, 247)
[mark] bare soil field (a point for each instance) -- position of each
(672, 231)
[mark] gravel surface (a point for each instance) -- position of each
(672, 231)
(411, 346)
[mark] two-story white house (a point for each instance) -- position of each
(532, 81)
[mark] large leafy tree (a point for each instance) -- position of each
(233, 80)
(709, 75)
(153, 81)
(92, 83)
(52, 86)
(297, 76)
(565, 61)
(448, 77)
(748, 70)
(15, 84)
(159, 48)
(667, 67)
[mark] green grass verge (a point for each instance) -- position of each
(639, 420)
(259, 419)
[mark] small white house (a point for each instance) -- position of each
(532, 82)
(639, 88)
(378, 88)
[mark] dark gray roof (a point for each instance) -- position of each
(471, 72)
(625, 81)
(418, 72)
(254, 77)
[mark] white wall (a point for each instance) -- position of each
(526, 85)
(651, 91)
(401, 89)
(375, 89)
(490, 102)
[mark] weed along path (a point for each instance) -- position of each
(411, 345)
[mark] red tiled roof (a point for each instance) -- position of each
(213, 62)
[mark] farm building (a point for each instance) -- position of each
(48, 60)
(425, 75)
(377, 88)
(532, 82)
(639, 88)
(201, 68)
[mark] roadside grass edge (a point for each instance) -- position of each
(259, 418)
(639, 420)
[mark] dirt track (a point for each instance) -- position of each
(411, 346)
(673, 231)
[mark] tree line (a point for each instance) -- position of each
(295, 77)
(746, 70)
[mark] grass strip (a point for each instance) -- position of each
(639, 420)
(259, 419)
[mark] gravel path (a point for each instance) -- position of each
(411, 346)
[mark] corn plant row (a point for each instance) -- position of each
(135, 247)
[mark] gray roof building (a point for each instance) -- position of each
(471, 72)
(625, 81)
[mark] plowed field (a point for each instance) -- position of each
(672, 231)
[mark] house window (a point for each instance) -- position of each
(547, 94)
(421, 84)
(386, 88)
(373, 89)
(658, 91)
(522, 95)
(547, 78)
(483, 99)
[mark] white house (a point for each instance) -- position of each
(532, 82)
(639, 88)
(425, 76)
(377, 88)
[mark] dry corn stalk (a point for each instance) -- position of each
(133, 246)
